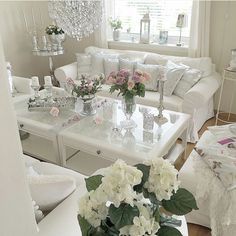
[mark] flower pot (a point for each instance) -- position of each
(56, 40)
(85, 105)
(116, 35)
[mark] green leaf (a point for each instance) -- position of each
(123, 215)
(168, 231)
(145, 170)
(150, 196)
(180, 203)
(84, 226)
(93, 182)
(157, 215)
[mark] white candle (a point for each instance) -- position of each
(47, 80)
(35, 81)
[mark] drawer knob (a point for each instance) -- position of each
(21, 125)
(98, 152)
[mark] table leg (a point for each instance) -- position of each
(55, 82)
(221, 90)
(62, 151)
(231, 103)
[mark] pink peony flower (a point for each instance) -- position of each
(54, 111)
(110, 80)
(136, 78)
(131, 84)
(98, 120)
(70, 81)
(123, 73)
(120, 80)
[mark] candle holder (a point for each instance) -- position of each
(36, 92)
(35, 44)
(48, 89)
(160, 119)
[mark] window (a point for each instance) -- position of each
(163, 16)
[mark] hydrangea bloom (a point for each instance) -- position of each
(92, 208)
(162, 178)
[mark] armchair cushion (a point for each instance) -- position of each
(22, 85)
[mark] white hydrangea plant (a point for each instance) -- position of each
(128, 200)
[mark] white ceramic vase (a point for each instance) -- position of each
(116, 35)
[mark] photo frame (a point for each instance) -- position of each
(163, 37)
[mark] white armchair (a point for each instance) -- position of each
(62, 220)
(22, 87)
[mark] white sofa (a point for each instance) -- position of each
(198, 101)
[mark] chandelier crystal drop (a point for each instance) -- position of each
(78, 18)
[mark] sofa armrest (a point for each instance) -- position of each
(67, 71)
(22, 85)
(62, 221)
(201, 93)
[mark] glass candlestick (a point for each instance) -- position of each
(160, 119)
(36, 92)
(48, 89)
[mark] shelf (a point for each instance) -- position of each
(168, 49)
(86, 164)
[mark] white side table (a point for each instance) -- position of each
(229, 75)
(50, 55)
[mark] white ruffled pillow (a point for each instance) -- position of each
(188, 80)
(154, 72)
(127, 65)
(97, 64)
(50, 190)
(110, 65)
(83, 64)
(173, 76)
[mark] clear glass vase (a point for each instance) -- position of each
(128, 107)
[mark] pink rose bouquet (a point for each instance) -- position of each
(128, 85)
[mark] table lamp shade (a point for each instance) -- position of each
(182, 20)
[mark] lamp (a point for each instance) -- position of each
(181, 23)
(145, 29)
(78, 18)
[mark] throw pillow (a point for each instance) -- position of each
(188, 80)
(127, 65)
(97, 66)
(110, 65)
(49, 190)
(173, 76)
(83, 64)
(155, 59)
(153, 71)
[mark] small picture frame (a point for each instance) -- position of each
(163, 37)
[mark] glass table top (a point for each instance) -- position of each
(21, 109)
(104, 127)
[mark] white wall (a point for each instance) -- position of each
(16, 214)
(17, 42)
(222, 40)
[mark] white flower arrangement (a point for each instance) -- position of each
(128, 200)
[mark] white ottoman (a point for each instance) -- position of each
(216, 204)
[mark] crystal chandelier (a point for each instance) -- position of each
(78, 18)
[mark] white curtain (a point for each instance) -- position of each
(200, 29)
(101, 34)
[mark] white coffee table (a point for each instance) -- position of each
(100, 145)
(42, 128)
